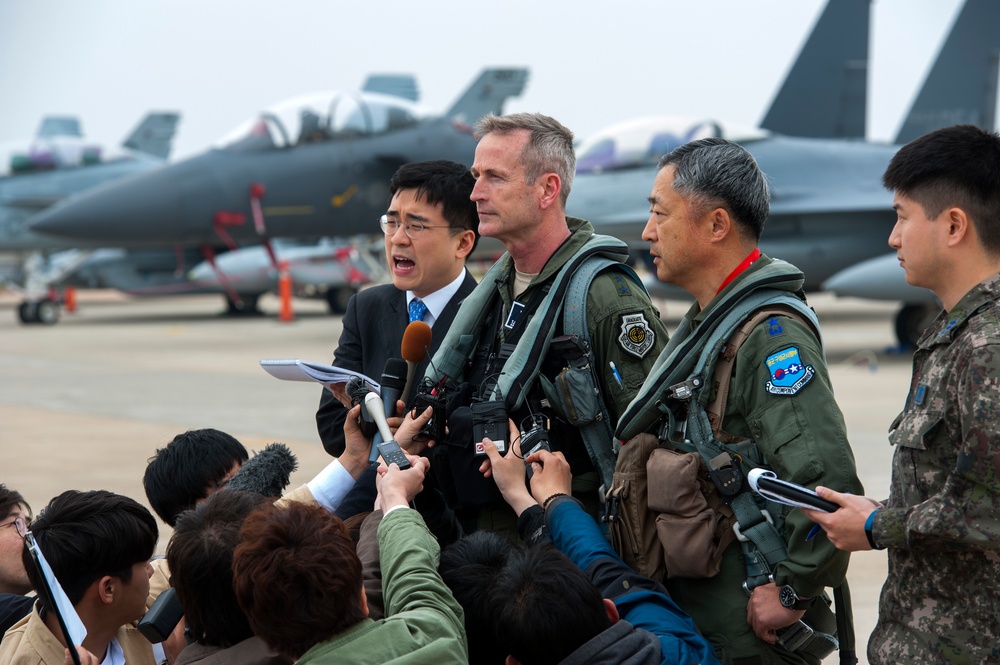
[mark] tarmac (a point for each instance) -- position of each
(86, 402)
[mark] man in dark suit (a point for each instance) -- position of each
(430, 228)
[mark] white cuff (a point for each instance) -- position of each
(331, 485)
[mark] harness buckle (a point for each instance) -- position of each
(684, 390)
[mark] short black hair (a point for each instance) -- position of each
(87, 535)
(543, 607)
(178, 476)
(955, 166)
(445, 182)
(11, 499)
(200, 557)
(469, 567)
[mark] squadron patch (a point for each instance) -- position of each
(636, 337)
(774, 327)
(788, 374)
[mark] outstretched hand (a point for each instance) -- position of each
(550, 475)
(508, 471)
(845, 527)
(397, 487)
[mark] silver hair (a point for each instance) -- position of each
(549, 148)
(717, 172)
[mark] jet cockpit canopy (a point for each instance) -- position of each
(642, 141)
(323, 116)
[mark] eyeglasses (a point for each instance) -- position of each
(20, 525)
(411, 229)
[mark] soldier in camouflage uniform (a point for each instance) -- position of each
(524, 168)
(941, 523)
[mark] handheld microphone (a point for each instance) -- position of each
(393, 382)
(416, 341)
(268, 472)
(389, 449)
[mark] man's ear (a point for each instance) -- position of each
(551, 186)
(364, 600)
(612, 611)
(106, 587)
(467, 239)
(721, 224)
(959, 225)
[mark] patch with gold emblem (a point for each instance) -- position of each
(636, 337)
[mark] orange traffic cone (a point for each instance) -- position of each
(285, 292)
(69, 299)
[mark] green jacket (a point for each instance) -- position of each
(610, 300)
(941, 524)
(424, 623)
(781, 398)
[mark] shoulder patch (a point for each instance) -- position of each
(621, 284)
(774, 327)
(788, 374)
(636, 337)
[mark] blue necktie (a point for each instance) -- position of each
(417, 310)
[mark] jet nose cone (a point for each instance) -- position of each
(135, 211)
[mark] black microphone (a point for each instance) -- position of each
(393, 382)
(268, 472)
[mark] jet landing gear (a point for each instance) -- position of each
(45, 311)
(245, 306)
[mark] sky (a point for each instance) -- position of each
(593, 64)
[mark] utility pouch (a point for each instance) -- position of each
(573, 394)
(632, 526)
(693, 524)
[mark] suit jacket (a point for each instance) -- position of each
(373, 332)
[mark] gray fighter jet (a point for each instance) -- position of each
(311, 167)
(58, 164)
(829, 211)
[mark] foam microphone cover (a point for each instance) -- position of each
(416, 341)
(268, 472)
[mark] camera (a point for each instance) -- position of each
(357, 389)
(435, 429)
(535, 439)
(489, 421)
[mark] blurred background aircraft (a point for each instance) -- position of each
(57, 164)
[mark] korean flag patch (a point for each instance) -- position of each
(636, 337)
(788, 374)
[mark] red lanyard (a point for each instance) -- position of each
(747, 262)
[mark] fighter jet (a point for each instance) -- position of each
(829, 211)
(311, 167)
(58, 164)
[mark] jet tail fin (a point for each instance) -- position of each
(825, 92)
(488, 94)
(397, 85)
(154, 135)
(961, 86)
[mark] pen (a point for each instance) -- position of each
(813, 531)
(618, 377)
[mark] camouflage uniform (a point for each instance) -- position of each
(941, 600)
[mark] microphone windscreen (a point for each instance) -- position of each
(416, 342)
(268, 472)
(394, 374)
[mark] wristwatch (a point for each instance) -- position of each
(792, 600)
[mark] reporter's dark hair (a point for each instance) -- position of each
(200, 557)
(178, 476)
(87, 535)
(543, 607)
(297, 577)
(11, 499)
(469, 566)
(953, 166)
(445, 182)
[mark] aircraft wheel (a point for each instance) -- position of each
(248, 306)
(26, 312)
(911, 321)
(338, 298)
(47, 312)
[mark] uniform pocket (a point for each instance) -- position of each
(915, 429)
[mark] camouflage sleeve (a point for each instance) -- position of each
(625, 329)
(783, 386)
(964, 512)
